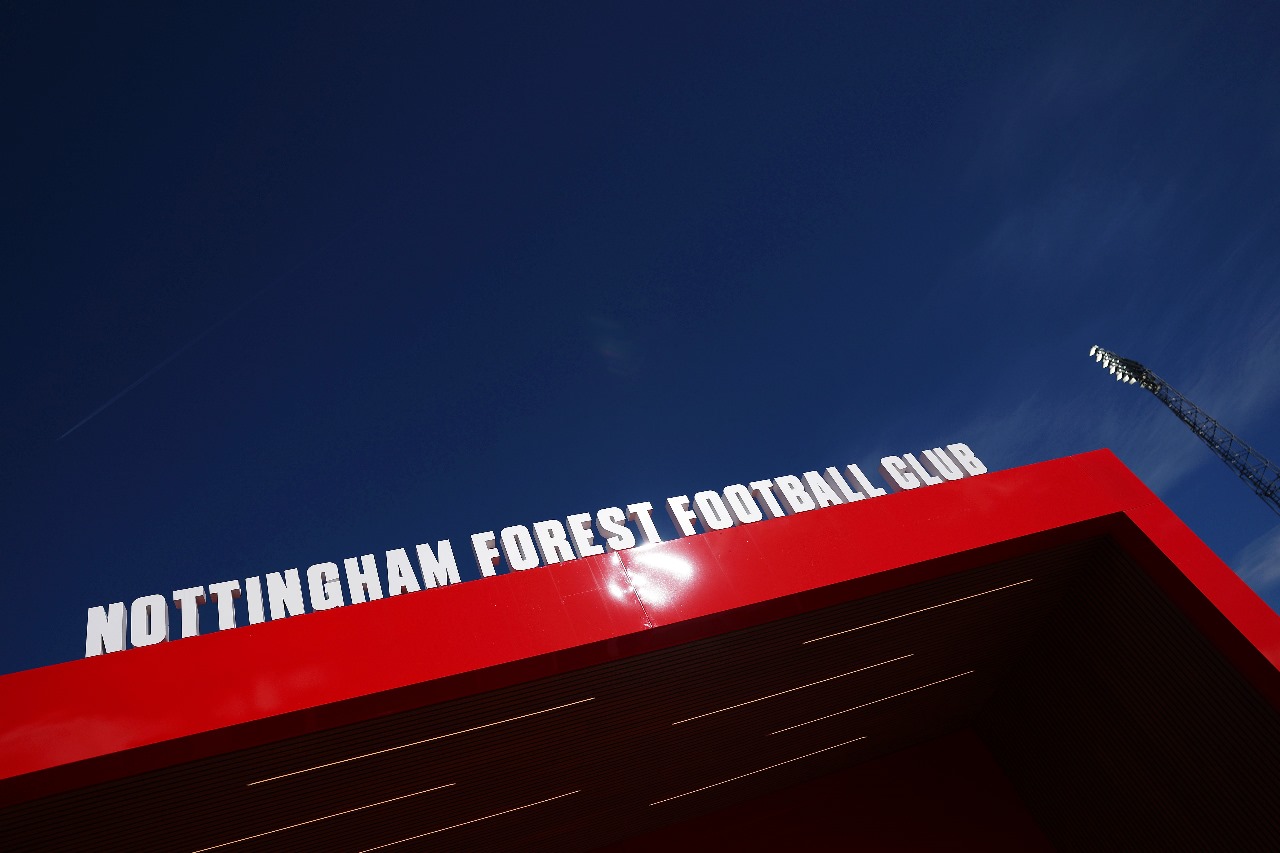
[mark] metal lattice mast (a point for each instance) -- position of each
(1260, 473)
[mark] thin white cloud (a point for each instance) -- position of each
(1213, 336)
(1079, 227)
(1259, 562)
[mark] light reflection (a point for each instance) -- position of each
(677, 567)
(648, 590)
(657, 575)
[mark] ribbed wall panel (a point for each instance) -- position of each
(620, 751)
(1123, 729)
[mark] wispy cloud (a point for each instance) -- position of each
(613, 345)
(182, 349)
(1211, 331)
(1079, 226)
(1259, 562)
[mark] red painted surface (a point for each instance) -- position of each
(874, 806)
(86, 721)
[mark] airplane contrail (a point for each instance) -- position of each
(188, 345)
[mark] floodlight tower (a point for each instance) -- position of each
(1255, 469)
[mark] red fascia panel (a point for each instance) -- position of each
(86, 721)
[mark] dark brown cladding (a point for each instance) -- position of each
(933, 654)
(1123, 728)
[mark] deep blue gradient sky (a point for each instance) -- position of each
(395, 272)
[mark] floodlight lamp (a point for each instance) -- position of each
(1093, 350)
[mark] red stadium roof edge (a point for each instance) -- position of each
(87, 721)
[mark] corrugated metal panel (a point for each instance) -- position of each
(587, 773)
(1122, 728)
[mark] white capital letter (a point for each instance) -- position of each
(149, 620)
(798, 500)
(965, 457)
(929, 479)
(580, 530)
(487, 555)
(681, 515)
(738, 497)
(284, 594)
(224, 595)
(444, 570)
(188, 602)
(865, 484)
(517, 546)
(895, 472)
(553, 542)
(763, 489)
(105, 631)
(612, 524)
(325, 586)
(400, 574)
(362, 580)
(711, 511)
(642, 514)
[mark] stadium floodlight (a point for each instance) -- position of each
(1261, 474)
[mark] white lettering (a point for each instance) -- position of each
(105, 630)
(149, 620)
(895, 473)
(400, 574)
(517, 545)
(325, 586)
(611, 522)
(967, 460)
(740, 502)
(680, 514)
(284, 593)
(553, 542)
(798, 500)
(763, 489)
(188, 602)
(863, 483)
(642, 515)
(224, 594)
(833, 478)
(940, 464)
(929, 479)
(580, 530)
(362, 580)
(487, 555)
(253, 589)
(444, 570)
(711, 511)
(822, 494)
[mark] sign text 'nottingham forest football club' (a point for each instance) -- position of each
(613, 528)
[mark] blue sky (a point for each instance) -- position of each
(392, 275)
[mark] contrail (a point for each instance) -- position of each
(188, 345)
